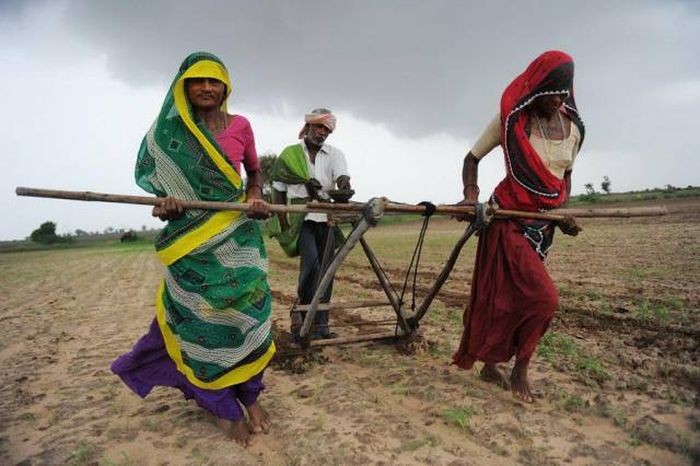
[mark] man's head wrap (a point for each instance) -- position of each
(318, 116)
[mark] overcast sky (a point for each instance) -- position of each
(413, 84)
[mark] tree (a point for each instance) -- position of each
(590, 190)
(605, 184)
(46, 234)
(128, 236)
(266, 162)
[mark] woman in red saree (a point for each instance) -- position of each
(513, 299)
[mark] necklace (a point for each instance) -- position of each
(217, 124)
(544, 135)
(223, 121)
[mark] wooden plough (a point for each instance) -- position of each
(365, 216)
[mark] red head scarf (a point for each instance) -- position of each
(529, 185)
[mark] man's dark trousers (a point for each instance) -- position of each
(312, 243)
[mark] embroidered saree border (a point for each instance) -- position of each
(193, 239)
(235, 376)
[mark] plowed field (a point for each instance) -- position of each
(616, 379)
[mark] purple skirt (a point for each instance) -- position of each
(148, 365)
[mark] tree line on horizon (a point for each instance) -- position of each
(46, 233)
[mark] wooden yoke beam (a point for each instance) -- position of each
(389, 207)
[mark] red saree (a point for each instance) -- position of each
(513, 299)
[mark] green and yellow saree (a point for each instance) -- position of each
(213, 307)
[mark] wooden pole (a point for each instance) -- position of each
(390, 207)
(360, 338)
(342, 306)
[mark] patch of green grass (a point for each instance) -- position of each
(570, 402)
(561, 351)
(151, 425)
(455, 317)
(675, 304)
(651, 312)
(634, 441)
(498, 448)
(115, 406)
(198, 456)
(393, 219)
(402, 388)
(438, 351)
(617, 415)
(594, 295)
(695, 423)
(640, 273)
(319, 422)
(606, 308)
(82, 454)
(28, 417)
(574, 404)
(432, 394)
(459, 416)
(417, 443)
(370, 358)
(592, 368)
(125, 460)
(553, 345)
(670, 192)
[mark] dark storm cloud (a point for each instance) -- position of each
(418, 67)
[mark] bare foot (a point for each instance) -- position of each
(491, 373)
(236, 430)
(519, 383)
(259, 419)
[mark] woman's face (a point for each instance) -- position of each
(205, 93)
(549, 104)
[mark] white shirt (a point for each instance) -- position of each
(329, 165)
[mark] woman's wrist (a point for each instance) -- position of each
(470, 188)
(254, 189)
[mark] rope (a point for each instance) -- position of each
(415, 258)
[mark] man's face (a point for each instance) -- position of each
(317, 134)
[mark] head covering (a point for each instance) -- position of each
(529, 185)
(205, 65)
(169, 135)
(318, 116)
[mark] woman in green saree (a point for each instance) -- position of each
(211, 337)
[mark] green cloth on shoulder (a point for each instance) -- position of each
(290, 168)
